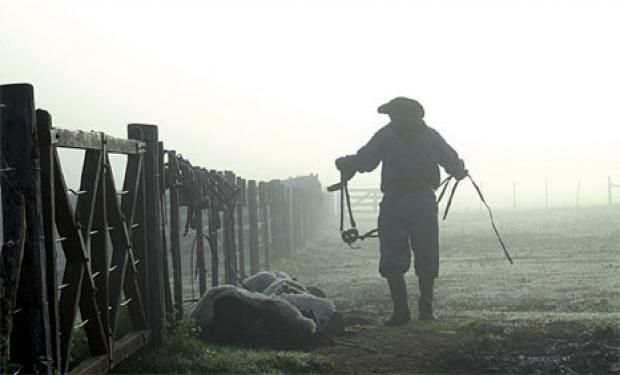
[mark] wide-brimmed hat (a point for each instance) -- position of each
(403, 106)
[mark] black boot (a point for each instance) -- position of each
(398, 291)
(425, 303)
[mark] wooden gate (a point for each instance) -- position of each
(110, 263)
(365, 200)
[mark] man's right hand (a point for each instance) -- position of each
(343, 165)
(346, 176)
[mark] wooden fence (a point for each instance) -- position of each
(366, 200)
(119, 247)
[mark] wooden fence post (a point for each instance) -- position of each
(46, 151)
(230, 248)
(289, 219)
(25, 260)
(214, 225)
(306, 214)
(253, 221)
(296, 215)
(200, 246)
(156, 302)
(175, 239)
(266, 220)
(213, 244)
(241, 203)
(133, 208)
(278, 200)
(164, 240)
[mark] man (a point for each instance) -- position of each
(411, 153)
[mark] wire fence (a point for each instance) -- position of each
(517, 194)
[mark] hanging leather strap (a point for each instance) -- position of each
(352, 235)
(499, 238)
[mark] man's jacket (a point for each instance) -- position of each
(410, 162)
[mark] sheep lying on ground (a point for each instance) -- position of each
(228, 314)
(321, 310)
(274, 310)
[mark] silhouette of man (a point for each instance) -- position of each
(411, 152)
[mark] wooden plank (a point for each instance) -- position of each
(175, 239)
(92, 141)
(253, 221)
(30, 338)
(265, 215)
(46, 151)
(129, 345)
(156, 303)
(123, 349)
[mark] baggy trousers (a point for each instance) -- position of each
(408, 222)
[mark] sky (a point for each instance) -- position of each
(523, 90)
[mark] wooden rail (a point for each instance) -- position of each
(117, 246)
(365, 200)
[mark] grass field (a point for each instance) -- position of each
(566, 261)
(556, 310)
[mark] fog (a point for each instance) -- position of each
(526, 91)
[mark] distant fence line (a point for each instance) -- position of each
(114, 243)
(366, 200)
(610, 187)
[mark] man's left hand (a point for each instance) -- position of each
(463, 175)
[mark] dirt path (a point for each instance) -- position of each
(456, 345)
